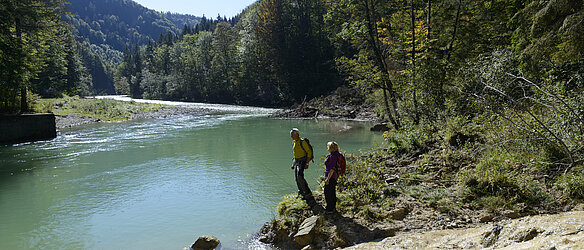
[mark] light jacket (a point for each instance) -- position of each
(299, 152)
(330, 163)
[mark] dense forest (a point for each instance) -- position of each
(51, 48)
(415, 58)
(273, 56)
(107, 28)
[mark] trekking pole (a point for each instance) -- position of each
(276, 174)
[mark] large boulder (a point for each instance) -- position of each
(306, 231)
(381, 127)
(206, 243)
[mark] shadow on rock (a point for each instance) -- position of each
(320, 231)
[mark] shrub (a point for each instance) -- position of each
(571, 185)
(291, 211)
(403, 141)
(363, 184)
(290, 205)
(500, 180)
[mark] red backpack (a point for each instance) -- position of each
(341, 164)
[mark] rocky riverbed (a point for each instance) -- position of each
(344, 104)
(557, 231)
(72, 121)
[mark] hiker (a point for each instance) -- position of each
(302, 155)
(331, 175)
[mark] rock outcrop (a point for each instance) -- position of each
(206, 243)
(344, 103)
(27, 128)
(559, 231)
(306, 232)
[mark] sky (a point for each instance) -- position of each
(210, 8)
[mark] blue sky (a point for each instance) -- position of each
(210, 8)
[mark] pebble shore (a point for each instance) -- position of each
(63, 122)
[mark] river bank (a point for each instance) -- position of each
(447, 174)
(342, 104)
(557, 231)
(69, 121)
(75, 111)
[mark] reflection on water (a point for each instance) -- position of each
(157, 184)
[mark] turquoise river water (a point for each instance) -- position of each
(160, 183)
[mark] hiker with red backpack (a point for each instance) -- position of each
(335, 165)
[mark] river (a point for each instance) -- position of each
(160, 183)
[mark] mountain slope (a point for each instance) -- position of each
(105, 28)
(123, 23)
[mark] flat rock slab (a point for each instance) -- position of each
(306, 231)
(557, 231)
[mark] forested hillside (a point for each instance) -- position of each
(88, 43)
(122, 24)
(107, 28)
(274, 55)
(415, 58)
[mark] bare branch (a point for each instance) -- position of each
(542, 125)
(554, 96)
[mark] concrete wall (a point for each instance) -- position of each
(28, 127)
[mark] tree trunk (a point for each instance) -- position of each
(449, 51)
(414, 88)
(20, 78)
(387, 84)
(428, 20)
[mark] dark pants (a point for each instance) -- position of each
(330, 195)
(303, 188)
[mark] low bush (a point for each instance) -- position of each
(501, 182)
(571, 186)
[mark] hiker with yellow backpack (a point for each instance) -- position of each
(303, 153)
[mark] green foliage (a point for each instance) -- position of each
(491, 177)
(541, 114)
(419, 57)
(549, 33)
(38, 54)
(363, 186)
(291, 211)
(437, 198)
(498, 181)
(120, 24)
(400, 142)
(291, 204)
(276, 55)
(458, 131)
(571, 185)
